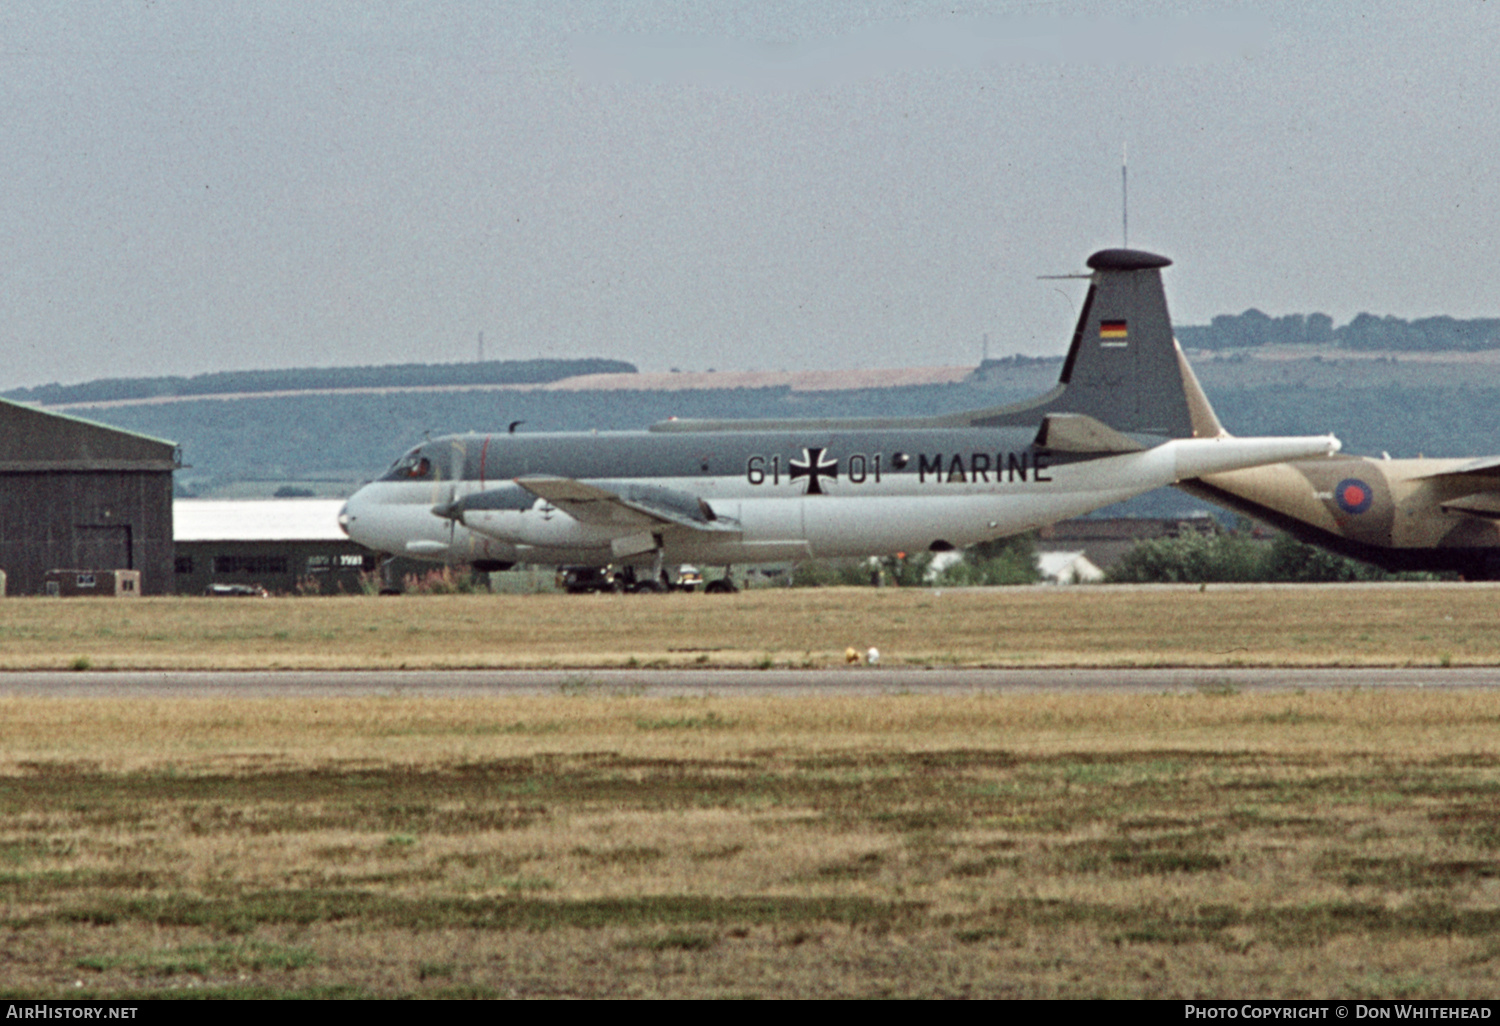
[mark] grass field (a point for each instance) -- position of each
(1083, 626)
(590, 844)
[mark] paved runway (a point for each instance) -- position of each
(854, 680)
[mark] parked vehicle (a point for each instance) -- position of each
(236, 591)
(581, 580)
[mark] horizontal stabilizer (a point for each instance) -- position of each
(638, 507)
(1075, 432)
(1196, 457)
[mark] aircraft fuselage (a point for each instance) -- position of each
(749, 496)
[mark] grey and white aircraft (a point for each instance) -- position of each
(1126, 416)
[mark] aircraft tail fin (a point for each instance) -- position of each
(1200, 412)
(1124, 367)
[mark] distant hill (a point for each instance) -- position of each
(404, 375)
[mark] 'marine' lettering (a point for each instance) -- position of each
(1011, 466)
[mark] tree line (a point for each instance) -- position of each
(1237, 556)
(1222, 556)
(1366, 332)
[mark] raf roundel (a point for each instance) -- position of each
(1353, 495)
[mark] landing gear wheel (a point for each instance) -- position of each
(723, 586)
(389, 578)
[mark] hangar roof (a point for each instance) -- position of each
(36, 440)
(204, 520)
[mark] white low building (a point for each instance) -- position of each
(281, 545)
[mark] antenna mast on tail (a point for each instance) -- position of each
(1124, 197)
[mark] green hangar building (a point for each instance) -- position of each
(75, 495)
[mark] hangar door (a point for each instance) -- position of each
(102, 548)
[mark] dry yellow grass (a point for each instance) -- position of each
(1331, 844)
(1220, 626)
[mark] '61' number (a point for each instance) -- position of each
(755, 470)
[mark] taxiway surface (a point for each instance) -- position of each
(845, 681)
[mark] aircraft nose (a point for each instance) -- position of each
(350, 517)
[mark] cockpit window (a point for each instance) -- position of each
(411, 467)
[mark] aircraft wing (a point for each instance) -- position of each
(641, 507)
(1482, 475)
(1479, 504)
(1485, 466)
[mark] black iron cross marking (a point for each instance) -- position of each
(812, 465)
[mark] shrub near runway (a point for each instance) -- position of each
(1294, 845)
(1085, 626)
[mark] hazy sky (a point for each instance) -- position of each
(187, 187)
